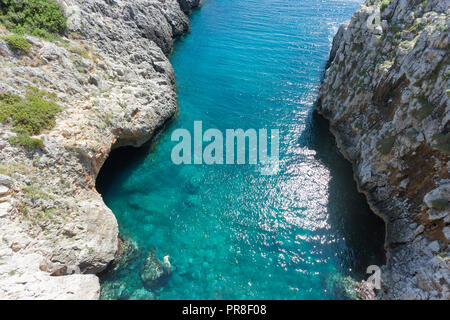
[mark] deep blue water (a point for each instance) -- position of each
(231, 232)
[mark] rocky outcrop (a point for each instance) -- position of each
(116, 87)
(154, 274)
(188, 5)
(386, 96)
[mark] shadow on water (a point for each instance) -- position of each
(118, 159)
(348, 209)
(128, 158)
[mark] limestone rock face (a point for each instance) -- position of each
(386, 96)
(116, 87)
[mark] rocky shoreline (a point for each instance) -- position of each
(385, 94)
(115, 85)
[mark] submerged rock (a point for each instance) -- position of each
(142, 294)
(114, 290)
(154, 274)
(342, 286)
(126, 253)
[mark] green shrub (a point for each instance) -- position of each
(24, 140)
(18, 43)
(425, 109)
(384, 4)
(29, 115)
(81, 69)
(395, 28)
(442, 142)
(79, 51)
(423, 4)
(41, 18)
(32, 191)
(385, 145)
(439, 204)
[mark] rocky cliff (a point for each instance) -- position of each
(115, 86)
(386, 95)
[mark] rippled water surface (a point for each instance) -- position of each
(231, 232)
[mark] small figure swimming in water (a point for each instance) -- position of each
(166, 261)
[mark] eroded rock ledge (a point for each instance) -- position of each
(386, 96)
(116, 87)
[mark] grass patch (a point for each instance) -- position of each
(34, 192)
(425, 110)
(435, 73)
(81, 69)
(386, 64)
(10, 169)
(79, 51)
(50, 213)
(29, 115)
(442, 142)
(358, 47)
(385, 145)
(384, 5)
(411, 135)
(359, 125)
(417, 26)
(396, 29)
(24, 140)
(18, 43)
(439, 204)
(423, 4)
(40, 18)
(419, 82)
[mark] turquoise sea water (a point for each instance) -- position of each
(231, 232)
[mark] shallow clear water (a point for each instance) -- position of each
(231, 232)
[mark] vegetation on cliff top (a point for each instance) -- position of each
(18, 43)
(40, 18)
(29, 115)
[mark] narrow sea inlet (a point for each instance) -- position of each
(231, 232)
